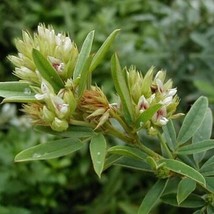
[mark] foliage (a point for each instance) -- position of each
(174, 35)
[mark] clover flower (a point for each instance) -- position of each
(58, 49)
(150, 90)
(54, 110)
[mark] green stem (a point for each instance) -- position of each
(120, 120)
(148, 151)
(131, 141)
(116, 133)
(163, 143)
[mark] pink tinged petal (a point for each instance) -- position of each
(59, 104)
(160, 116)
(143, 104)
(63, 108)
(56, 63)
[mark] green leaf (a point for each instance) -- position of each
(210, 209)
(210, 183)
(103, 50)
(85, 77)
(207, 170)
(119, 79)
(50, 150)
(196, 148)
(198, 212)
(152, 197)
(204, 133)
(16, 92)
(193, 120)
(185, 188)
(170, 135)
(205, 87)
(47, 71)
(83, 55)
(98, 149)
(183, 169)
(133, 164)
(128, 152)
(208, 162)
(193, 201)
(78, 132)
(147, 114)
(110, 160)
(208, 167)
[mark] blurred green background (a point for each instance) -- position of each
(176, 35)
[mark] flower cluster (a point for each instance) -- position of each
(51, 108)
(59, 104)
(150, 90)
(57, 48)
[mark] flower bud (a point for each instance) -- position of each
(47, 115)
(59, 125)
(94, 106)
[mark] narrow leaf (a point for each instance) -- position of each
(47, 71)
(85, 77)
(183, 169)
(120, 84)
(185, 188)
(83, 55)
(193, 201)
(193, 120)
(50, 150)
(111, 160)
(210, 209)
(98, 152)
(208, 167)
(207, 170)
(204, 133)
(170, 135)
(196, 148)
(128, 151)
(210, 183)
(16, 92)
(147, 114)
(103, 50)
(78, 132)
(152, 197)
(133, 164)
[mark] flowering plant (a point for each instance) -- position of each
(58, 95)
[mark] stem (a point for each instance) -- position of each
(164, 145)
(120, 120)
(147, 150)
(115, 132)
(132, 141)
